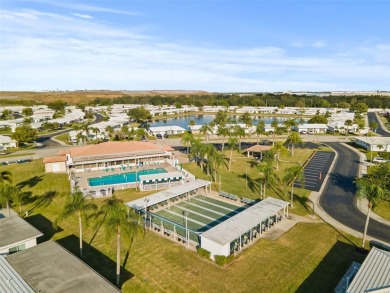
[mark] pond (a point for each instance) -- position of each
(184, 121)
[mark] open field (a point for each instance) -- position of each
(74, 97)
(309, 258)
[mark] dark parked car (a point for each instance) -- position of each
(166, 135)
(159, 136)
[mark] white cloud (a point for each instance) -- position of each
(86, 16)
(42, 50)
(316, 44)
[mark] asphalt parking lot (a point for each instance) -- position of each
(315, 170)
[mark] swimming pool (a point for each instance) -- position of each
(123, 178)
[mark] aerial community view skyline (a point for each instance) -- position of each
(195, 45)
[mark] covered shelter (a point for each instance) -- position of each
(234, 233)
(257, 149)
(169, 194)
(160, 181)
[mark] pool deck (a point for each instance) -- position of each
(82, 177)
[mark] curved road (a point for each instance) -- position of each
(46, 140)
(380, 130)
(338, 198)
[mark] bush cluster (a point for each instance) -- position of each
(222, 260)
(204, 252)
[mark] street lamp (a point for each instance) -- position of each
(146, 205)
(186, 213)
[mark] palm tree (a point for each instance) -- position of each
(5, 182)
(348, 123)
(121, 222)
(224, 132)
(206, 130)
(290, 123)
(260, 130)
(109, 130)
(140, 132)
(267, 176)
(239, 132)
(274, 124)
(368, 188)
(232, 146)
(291, 175)
(294, 139)
(95, 130)
(77, 204)
(217, 159)
(279, 148)
(186, 139)
(373, 126)
(19, 198)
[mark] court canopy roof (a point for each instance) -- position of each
(164, 195)
(237, 225)
(160, 176)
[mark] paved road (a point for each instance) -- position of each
(380, 130)
(46, 140)
(338, 198)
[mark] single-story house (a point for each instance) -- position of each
(311, 128)
(48, 267)
(16, 234)
(373, 275)
(374, 143)
(7, 142)
(166, 130)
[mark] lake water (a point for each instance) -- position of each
(184, 121)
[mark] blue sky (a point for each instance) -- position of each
(212, 45)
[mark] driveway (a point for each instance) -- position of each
(338, 198)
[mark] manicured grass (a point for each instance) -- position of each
(64, 138)
(308, 258)
(234, 181)
(383, 209)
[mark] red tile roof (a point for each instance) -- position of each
(54, 159)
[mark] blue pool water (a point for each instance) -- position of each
(123, 178)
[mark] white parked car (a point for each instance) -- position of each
(379, 160)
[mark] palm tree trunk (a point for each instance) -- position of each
(230, 160)
(118, 255)
(292, 193)
(223, 143)
(8, 209)
(366, 225)
(81, 235)
(257, 141)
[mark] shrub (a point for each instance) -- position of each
(204, 252)
(230, 258)
(220, 260)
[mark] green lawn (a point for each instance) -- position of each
(64, 138)
(308, 258)
(235, 182)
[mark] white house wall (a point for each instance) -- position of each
(214, 248)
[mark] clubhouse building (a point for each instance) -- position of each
(99, 168)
